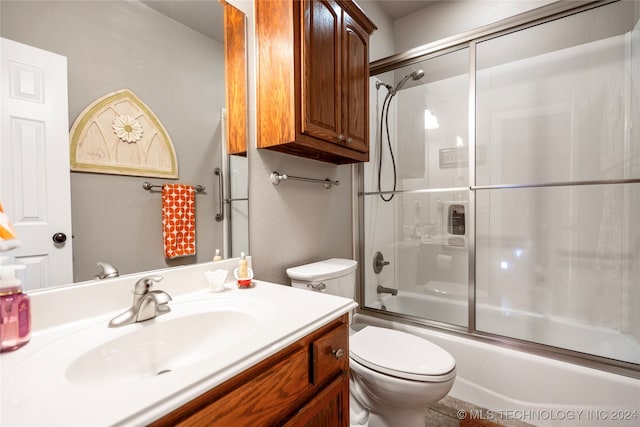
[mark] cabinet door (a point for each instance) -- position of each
(355, 85)
(329, 408)
(264, 395)
(321, 70)
(235, 57)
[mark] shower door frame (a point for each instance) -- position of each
(431, 50)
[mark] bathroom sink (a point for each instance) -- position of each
(164, 345)
(80, 371)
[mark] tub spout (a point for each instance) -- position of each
(383, 290)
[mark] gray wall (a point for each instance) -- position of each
(296, 222)
(381, 42)
(448, 18)
(178, 73)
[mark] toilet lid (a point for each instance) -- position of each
(400, 354)
(322, 270)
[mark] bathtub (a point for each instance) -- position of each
(514, 384)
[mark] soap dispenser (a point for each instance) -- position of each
(15, 310)
(243, 273)
(242, 267)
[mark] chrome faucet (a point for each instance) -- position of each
(146, 305)
(108, 271)
(383, 290)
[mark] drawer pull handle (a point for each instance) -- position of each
(338, 354)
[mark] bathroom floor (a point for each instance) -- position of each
(451, 412)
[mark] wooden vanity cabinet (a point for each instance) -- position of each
(313, 79)
(305, 384)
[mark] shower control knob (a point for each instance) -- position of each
(338, 354)
(379, 262)
(59, 238)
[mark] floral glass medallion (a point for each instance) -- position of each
(127, 128)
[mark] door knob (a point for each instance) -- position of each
(59, 238)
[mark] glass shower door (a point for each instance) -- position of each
(557, 197)
(503, 193)
(421, 225)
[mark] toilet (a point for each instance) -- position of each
(394, 374)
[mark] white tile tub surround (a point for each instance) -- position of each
(73, 320)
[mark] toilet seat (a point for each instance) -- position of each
(401, 355)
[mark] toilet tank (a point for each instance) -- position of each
(335, 276)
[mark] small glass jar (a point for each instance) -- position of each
(15, 318)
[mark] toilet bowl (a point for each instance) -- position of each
(394, 374)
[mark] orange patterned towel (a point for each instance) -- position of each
(178, 220)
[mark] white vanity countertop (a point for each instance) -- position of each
(36, 389)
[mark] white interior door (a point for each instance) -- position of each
(34, 160)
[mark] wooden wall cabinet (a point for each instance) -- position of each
(305, 384)
(313, 79)
(235, 60)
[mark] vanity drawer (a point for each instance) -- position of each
(330, 354)
(262, 396)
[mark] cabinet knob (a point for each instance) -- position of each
(349, 140)
(338, 354)
(341, 137)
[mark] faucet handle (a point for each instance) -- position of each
(143, 285)
(379, 262)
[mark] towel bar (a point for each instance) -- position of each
(149, 186)
(276, 178)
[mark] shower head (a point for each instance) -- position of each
(416, 75)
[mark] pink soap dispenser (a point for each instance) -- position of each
(15, 309)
